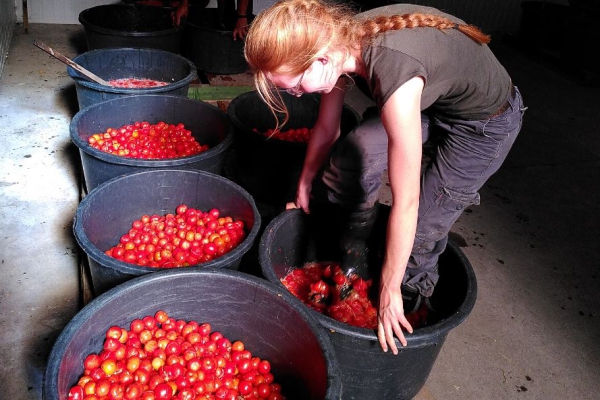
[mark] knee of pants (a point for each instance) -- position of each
(357, 162)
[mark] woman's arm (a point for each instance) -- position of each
(242, 20)
(324, 134)
(180, 12)
(401, 117)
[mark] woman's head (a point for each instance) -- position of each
(294, 38)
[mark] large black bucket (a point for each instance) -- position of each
(124, 25)
(272, 324)
(210, 45)
(293, 239)
(270, 168)
(209, 125)
(119, 63)
(108, 211)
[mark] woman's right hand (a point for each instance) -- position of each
(241, 29)
(324, 134)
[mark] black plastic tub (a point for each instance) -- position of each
(293, 238)
(108, 211)
(119, 63)
(270, 322)
(209, 125)
(210, 45)
(270, 168)
(127, 25)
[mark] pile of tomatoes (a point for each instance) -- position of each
(148, 141)
(188, 237)
(291, 135)
(160, 358)
(319, 286)
(136, 83)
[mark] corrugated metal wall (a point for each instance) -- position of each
(7, 26)
(61, 11)
(489, 15)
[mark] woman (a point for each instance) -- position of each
(425, 69)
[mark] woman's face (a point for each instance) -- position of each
(320, 77)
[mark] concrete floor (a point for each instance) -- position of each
(533, 241)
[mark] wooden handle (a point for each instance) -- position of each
(71, 63)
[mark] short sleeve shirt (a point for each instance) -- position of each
(463, 79)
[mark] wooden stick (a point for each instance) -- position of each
(71, 63)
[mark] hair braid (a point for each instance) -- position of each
(372, 27)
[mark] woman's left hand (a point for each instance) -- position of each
(179, 13)
(391, 319)
(302, 198)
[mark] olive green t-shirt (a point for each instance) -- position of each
(462, 78)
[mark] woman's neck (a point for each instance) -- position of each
(354, 64)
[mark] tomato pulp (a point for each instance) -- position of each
(318, 285)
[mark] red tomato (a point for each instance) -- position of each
(141, 376)
(245, 387)
(89, 388)
(214, 213)
(133, 391)
(149, 322)
(210, 249)
(163, 391)
(91, 362)
(109, 366)
(264, 367)
(148, 395)
(102, 388)
(116, 392)
(264, 390)
(76, 393)
(244, 366)
(275, 396)
(181, 209)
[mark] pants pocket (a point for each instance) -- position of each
(453, 200)
(435, 222)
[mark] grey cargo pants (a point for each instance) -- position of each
(468, 153)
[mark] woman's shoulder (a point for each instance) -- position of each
(401, 8)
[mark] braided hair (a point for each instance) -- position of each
(372, 27)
